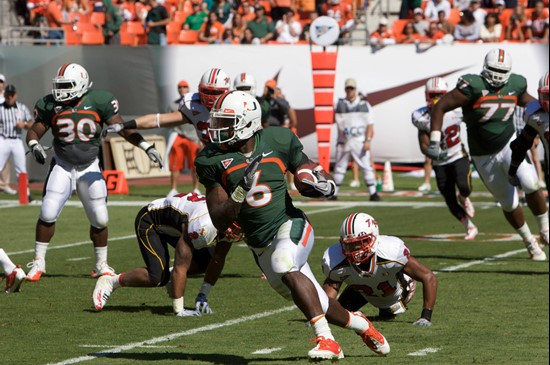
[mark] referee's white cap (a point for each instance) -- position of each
(2, 78)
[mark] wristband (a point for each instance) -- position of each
(158, 120)
(239, 194)
(131, 124)
(144, 145)
(205, 288)
(435, 136)
(32, 143)
(177, 304)
(426, 314)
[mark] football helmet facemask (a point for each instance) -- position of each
(543, 92)
(435, 88)
(245, 82)
(71, 82)
(235, 116)
(497, 67)
(214, 82)
(359, 240)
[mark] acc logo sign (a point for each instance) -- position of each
(324, 31)
(354, 131)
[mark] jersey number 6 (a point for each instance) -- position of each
(260, 194)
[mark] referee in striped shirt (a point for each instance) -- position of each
(14, 116)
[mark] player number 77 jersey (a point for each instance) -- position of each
(450, 132)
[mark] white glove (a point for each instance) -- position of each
(38, 151)
(112, 128)
(423, 322)
(188, 313)
(324, 186)
(201, 304)
(154, 155)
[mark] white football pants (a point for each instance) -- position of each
(89, 184)
(13, 147)
(361, 157)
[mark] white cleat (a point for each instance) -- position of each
(197, 191)
(544, 237)
(354, 184)
(326, 349)
(37, 268)
(103, 289)
(172, 193)
(533, 247)
(14, 280)
(102, 269)
(471, 233)
(424, 188)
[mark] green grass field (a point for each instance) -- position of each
(492, 309)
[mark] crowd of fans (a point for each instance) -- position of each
(133, 22)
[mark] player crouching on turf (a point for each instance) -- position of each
(452, 167)
(181, 221)
(243, 171)
(13, 274)
(377, 269)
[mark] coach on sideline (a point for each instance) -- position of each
(14, 116)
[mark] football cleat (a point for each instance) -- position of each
(544, 237)
(172, 192)
(374, 339)
(103, 289)
(14, 280)
(326, 349)
(102, 269)
(37, 268)
(354, 184)
(471, 233)
(535, 252)
(467, 205)
(375, 197)
(424, 188)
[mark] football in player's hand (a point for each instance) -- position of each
(305, 172)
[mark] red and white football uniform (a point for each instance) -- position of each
(450, 132)
(197, 114)
(539, 121)
(382, 289)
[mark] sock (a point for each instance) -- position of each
(320, 327)
(40, 249)
(100, 255)
(524, 232)
(7, 264)
(372, 189)
(357, 323)
(542, 221)
(117, 281)
(205, 288)
(467, 222)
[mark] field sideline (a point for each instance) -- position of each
(492, 303)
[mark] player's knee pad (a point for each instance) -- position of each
(52, 204)
(99, 216)
(283, 260)
(509, 205)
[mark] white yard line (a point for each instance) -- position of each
(174, 336)
(424, 352)
(482, 261)
(266, 351)
(79, 258)
(69, 245)
(113, 346)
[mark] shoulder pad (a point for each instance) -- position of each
(393, 249)
(332, 257)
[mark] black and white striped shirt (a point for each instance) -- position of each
(9, 116)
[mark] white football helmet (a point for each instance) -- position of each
(245, 82)
(543, 92)
(497, 67)
(235, 116)
(435, 88)
(214, 82)
(359, 240)
(71, 82)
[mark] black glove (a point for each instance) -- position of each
(37, 151)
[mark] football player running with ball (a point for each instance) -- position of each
(76, 115)
(452, 166)
(181, 221)
(377, 269)
(244, 175)
(537, 122)
(488, 102)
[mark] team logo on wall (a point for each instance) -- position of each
(324, 31)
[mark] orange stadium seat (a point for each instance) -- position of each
(398, 26)
(135, 28)
(127, 39)
(98, 18)
(71, 38)
(95, 37)
(504, 17)
(81, 27)
(172, 32)
(454, 16)
(187, 7)
(188, 37)
(180, 16)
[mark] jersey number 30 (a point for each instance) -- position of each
(84, 129)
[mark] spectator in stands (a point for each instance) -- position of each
(478, 12)
(262, 28)
(156, 21)
(515, 31)
(78, 6)
(222, 8)
(238, 26)
(248, 37)
(288, 29)
(195, 20)
(113, 21)
(434, 7)
(382, 36)
(407, 7)
(492, 29)
(305, 8)
(420, 24)
(433, 34)
(247, 11)
(305, 33)
(500, 5)
(537, 24)
(280, 8)
(467, 28)
(461, 4)
(211, 31)
(443, 24)
(342, 12)
(409, 34)
(56, 19)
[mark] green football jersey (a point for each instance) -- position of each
(267, 205)
(489, 112)
(77, 128)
